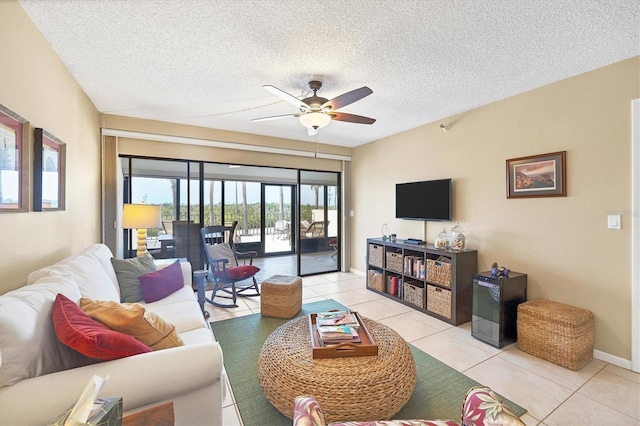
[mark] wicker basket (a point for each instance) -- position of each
(413, 294)
(281, 296)
(375, 255)
(439, 271)
(394, 262)
(556, 332)
(376, 280)
(439, 301)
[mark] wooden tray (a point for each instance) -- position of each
(367, 346)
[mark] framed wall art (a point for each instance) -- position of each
(49, 165)
(537, 176)
(14, 162)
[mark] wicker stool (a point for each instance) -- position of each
(556, 332)
(281, 296)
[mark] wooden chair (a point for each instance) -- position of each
(187, 242)
(224, 270)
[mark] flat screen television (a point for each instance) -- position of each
(426, 200)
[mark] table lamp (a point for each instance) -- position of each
(141, 217)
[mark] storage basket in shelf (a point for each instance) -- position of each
(375, 255)
(394, 262)
(439, 271)
(376, 280)
(439, 301)
(413, 294)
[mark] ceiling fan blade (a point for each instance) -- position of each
(351, 118)
(286, 97)
(275, 117)
(347, 98)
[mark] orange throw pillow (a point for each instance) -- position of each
(131, 319)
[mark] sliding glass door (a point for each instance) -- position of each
(318, 224)
(278, 214)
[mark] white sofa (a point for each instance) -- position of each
(40, 377)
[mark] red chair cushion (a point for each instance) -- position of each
(80, 332)
(238, 273)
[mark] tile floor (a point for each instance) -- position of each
(598, 394)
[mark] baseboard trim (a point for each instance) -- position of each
(602, 356)
(355, 271)
(612, 359)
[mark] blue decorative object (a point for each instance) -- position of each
(499, 271)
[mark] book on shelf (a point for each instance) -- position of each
(334, 318)
(414, 266)
(394, 286)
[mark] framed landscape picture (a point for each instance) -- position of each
(49, 166)
(14, 162)
(537, 176)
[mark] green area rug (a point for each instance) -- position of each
(438, 393)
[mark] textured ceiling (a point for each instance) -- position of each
(204, 62)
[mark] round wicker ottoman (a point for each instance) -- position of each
(348, 388)
(281, 296)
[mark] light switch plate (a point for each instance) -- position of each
(613, 221)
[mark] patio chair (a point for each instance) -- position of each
(281, 229)
(315, 230)
(224, 270)
(333, 243)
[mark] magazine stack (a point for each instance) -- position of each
(336, 327)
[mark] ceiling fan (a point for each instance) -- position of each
(316, 112)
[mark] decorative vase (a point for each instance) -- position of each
(442, 240)
(458, 239)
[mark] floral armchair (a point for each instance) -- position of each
(481, 407)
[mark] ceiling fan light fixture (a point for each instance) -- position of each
(315, 120)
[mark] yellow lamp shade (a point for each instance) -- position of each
(141, 217)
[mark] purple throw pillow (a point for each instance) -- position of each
(161, 283)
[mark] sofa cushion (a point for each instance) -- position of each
(77, 330)
(89, 274)
(28, 343)
(128, 271)
(104, 255)
(482, 406)
(132, 319)
(412, 422)
(184, 314)
(307, 412)
(161, 283)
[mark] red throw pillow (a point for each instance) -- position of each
(161, 283)
(238, 273)
(78, 331)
